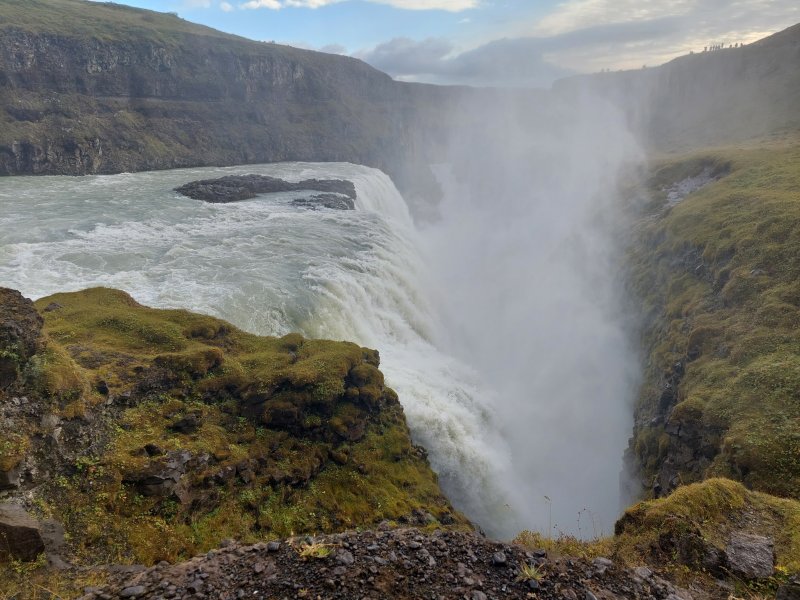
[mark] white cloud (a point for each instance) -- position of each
(517, 62)
(271, 4)
(580, 14)
(226, 6)
(587, 36)
(448, 5)
(197, 3)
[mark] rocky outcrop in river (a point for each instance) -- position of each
(336, 193)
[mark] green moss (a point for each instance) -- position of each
(13, 447)
(718, 276)
(106, 21)
(283, 435)
(54, 374)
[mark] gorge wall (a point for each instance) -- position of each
(88, 88)
(716, 273)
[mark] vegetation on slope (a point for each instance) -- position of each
(719, 277)
(158, 433)
(680, 530)
(69, 17)
(698, 518)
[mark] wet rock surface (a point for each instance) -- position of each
(683, 188)
(751, 556)
(335, 193)
(790, 590)
(334, 201)
(401, 563)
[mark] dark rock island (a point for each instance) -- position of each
(336, 193)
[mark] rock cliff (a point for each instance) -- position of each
(708, 99)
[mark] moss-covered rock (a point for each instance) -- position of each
(158, 433)
(20, 335)
(695, 525)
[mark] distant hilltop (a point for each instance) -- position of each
(708, 98)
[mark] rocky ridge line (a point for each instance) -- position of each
(400, 564)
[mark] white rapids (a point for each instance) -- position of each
(272, 268)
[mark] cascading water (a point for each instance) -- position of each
(499, 325)
(528, 255)
(271, 268)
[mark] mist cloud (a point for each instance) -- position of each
(501, 63)
(448, 5)
(527, 262)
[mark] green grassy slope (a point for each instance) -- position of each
(719, 277)
(101, 19)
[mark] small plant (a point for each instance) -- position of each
(529, 573)
(315, 550)
(25, 569)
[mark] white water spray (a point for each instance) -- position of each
(528, 259)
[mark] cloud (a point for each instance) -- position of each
(226, 6)
(628, 33)
(516, 62)
(586, 36)
(446, 5)
(575, 15)
(271, 4)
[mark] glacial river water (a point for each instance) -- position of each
(269, 268)
(496, 325)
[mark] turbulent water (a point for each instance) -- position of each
(270, 268)
(497, 325)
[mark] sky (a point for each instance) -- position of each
(526, 43)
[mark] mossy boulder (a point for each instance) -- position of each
(709, 526)
(20, 335)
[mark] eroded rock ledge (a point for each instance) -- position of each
(335, 193)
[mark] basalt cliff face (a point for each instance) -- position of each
(87, 88)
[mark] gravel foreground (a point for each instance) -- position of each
(400, 563)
